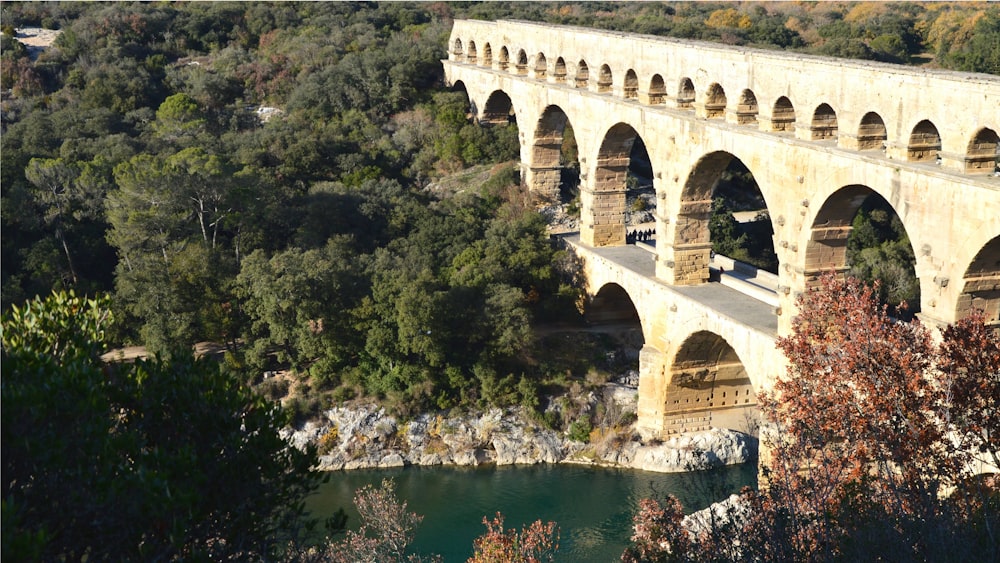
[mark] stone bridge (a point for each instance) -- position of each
(818, 134)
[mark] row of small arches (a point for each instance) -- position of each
(923, 145)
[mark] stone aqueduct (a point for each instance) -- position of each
(818, 134)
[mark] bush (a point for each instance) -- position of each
(579, 430)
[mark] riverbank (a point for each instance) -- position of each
(365, 436)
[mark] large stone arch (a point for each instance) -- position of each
(707, 385)
(688, 241)
(981, 284)
(603, 201)
(983, 152)
(544, 170)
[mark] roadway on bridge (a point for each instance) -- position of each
(726, 301)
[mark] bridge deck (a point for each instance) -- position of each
(742, 308)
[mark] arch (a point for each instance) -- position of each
(541, 65)
(559, 72)
(547, 167)
(612, 305)
(487, 55)
(824, 123)
(521, 65)
(924, 144)
(708, 387)
(981, 284)
(715, 101)
(604, 79)
(871, 132)
(657, 91)
(582, 76)
(783, 115)
(692, 230)
(456, 48)
(471, 56)
(685, 93)
(504, 61)
(631, 85)
(746, 109)
(499, 109)
(610, 184)
(982, 155)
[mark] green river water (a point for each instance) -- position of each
(592, 506)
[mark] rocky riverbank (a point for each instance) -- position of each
(365, 437)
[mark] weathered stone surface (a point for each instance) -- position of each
(696, 451)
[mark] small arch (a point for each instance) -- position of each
(541, 65)
(456, 48)
(471, 56)
(925, 143)
(685, 94)
(487, 55)
(604, 79)
(522, 62)
(504, 60)
(783, 115)
(982, 155)
(981, 284)
(871, 132)
(499, 109)
(657, 91)
(559, 72)
(631, 85)
(582, 76)
(746, 108)
(824, 123)
(715, 101)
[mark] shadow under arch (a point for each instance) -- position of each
(555, 167)
(708, 387)
(612, 312)
(981, 284)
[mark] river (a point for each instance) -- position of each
(593, 506)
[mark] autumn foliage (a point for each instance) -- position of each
(534, 543)
(875, 435)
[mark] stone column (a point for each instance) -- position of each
(543, 183)
(687, 250)
(602, 203)
(652, 393)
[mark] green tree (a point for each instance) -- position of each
(153, 460)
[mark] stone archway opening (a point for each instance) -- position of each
(746, 109)
(824, 123)
(981, 284)
(983, 153)
(472, 56)
(709, 388)
(612, 314)
(555, 166)
(541, 66)
(871, 132)
(499, 110)
(723, 212)
(857, 232)
(504, 60)
(582, 77)
(657, 91)
(622, 197)
(521, 65)
(631, 85)
(715, 102)
(783, 115)
(559, 73)
(487, 55)
(685, 94)
(604, 79)
(924, 144)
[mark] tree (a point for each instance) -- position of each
(154, 460)
(534, 543)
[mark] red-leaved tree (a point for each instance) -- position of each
(535, 543)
